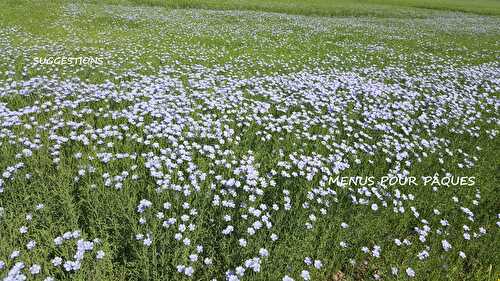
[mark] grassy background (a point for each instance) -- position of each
(379, 8)
(79, 206)
(329, 7)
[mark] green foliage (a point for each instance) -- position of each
(111, 215)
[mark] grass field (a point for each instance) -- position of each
(205, 144)
(382, 8)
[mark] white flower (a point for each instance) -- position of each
(274, 237)
(193, 257)
(263, 252)
(423, 255)
(14, 254)
(100, 254)
(446, 245)
(242, 242)
(199, 249)
(305, 275)
(228, 230)
(318, 264)
(250, 231)
(30, 245)
(71, 265)
(240, 270)
(410, 272)
(143, 205)
(376, 251)
(482, 230)
(57, 261)
(189, 271)
(23, 229)
(58, 241)
(287, 278)
(35, 269)
(67, 235)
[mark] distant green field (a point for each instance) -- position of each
(329, 7)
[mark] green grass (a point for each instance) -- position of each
(414, 35)
(381, 8)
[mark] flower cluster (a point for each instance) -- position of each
(210, 159)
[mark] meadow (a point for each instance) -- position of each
(205, 143)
